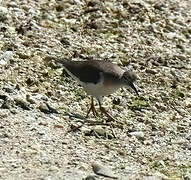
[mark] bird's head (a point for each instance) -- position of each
(129, 79)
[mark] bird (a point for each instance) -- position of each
(99, 78)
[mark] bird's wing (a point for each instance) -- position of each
(85, 72)
(91, 71)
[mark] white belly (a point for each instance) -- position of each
(98, 89)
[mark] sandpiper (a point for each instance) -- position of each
(99, 79)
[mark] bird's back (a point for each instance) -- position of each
(89, 71)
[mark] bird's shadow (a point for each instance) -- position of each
(76, 115)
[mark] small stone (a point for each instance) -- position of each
(187, 102)
(159, 6)
(3, 97)
(86, 131)
(6, 57)
(3, 170)
(90, 178)
(53, 168)
(138, 134)
(74, 174)
(23, 55)
(30, 81)
(58, 126)
(100, 132)
(4, 9)
(44, 108)
(151, 71)
(12, 4)
(103, 171)
(8, 88)
(36, 59)
(160, 176)
(22, 103)
(93, 3)
(187, 176)
(65, 41)
(3, 18)
(4, 113)
(5, 105)
(30, 100)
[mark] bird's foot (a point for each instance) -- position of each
(111, 118)
(92, 108)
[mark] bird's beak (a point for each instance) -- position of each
(132, 85)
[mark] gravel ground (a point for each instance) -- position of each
(43, 132)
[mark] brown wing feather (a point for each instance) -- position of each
(90, 71)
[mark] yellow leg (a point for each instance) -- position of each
(103, 110)
(92, 108)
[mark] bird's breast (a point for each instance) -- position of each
(100, 89)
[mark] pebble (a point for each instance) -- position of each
(5, 105)
(29, 99)
(44, 108)
(22, 103)
(3, 9)
(8, 88)
(24, 55)
(100, 132)
(151, 71)
(138, 134)
(187, 176)
(4, 113)
(90, 178)
(103, 171)
(6, 57)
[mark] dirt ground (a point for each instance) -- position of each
(44, 134)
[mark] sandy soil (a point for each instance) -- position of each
(43, 132)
